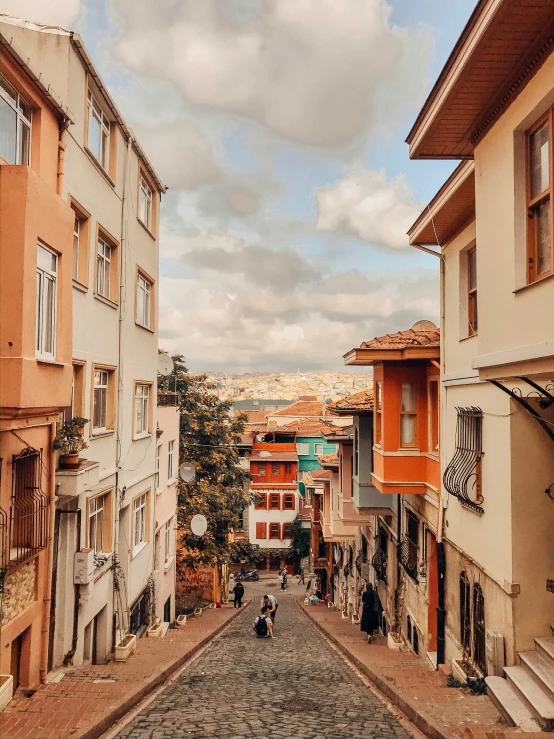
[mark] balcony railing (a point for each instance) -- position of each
(407, 555)
(168, 399)
(379, 563)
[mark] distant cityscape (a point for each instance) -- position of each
(328, 386)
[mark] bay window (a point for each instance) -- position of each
(15, 125)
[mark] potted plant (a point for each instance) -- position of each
(125, 648)
(6, 690)
(69, 441)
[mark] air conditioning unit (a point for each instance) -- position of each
(364, 572)
(494, 650)
(83, 567)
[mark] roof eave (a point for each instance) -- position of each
(367, 357)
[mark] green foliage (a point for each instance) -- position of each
(208, 439)
(244, 551)
(69, 437)
(300, 543)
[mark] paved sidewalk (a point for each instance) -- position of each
(90, 699)
(411, 684)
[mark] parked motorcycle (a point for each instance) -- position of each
(251, 575)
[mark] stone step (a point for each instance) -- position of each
(510, 704)
(545, 645)
(541, 669)
(532, 695)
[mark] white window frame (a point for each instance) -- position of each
(409, 413)
(103, 268)
(95, 113)
(18, 105)
(318, 445)
(157, 469)
(46, 304)
(96, 522)
(139, 522)
(170, 459)
(145, 203)
(168, 539)
(301, 447)
(76, 246)
(101, 391)
(142, 409)
(144, 301)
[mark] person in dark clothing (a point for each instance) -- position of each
(238, 591)
(370, 611)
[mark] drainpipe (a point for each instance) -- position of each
(76, 595)
(441, 555)
(61, 158)
(47, 600)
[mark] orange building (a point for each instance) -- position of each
(399, 446)
(36, 252)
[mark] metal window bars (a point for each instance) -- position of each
(408, 555)
(379, 562)
(461, 477)
(479, 649)
(28, 525)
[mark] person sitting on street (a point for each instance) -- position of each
(270, 601)
(263, 625)
(238, 591)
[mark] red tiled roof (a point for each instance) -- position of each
(303, 408)
(422, 333)
(321, 474)
(358, 401)
(275, 457)
(328, 459)
(254, 416)
(305, 427)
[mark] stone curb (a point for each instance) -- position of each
(117, 713)
(425, 724)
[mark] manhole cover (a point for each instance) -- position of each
(297, 705)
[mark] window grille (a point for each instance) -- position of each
(465, 615)
(379, 563)
(479, 655)
(29, 509)
(462, 475)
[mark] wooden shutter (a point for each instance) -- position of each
(274, 530)
(275, 498)
(261, 528)
(261, 505)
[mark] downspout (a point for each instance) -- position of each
(61, 157)
(441, 555)
(45, 631)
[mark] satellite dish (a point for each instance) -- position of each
(264, 453)
(199, 524)
(165, 365)
(187, 472)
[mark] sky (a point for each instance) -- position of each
(279, 128)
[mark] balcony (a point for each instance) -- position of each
(273, 479)
(168, 399)
(71, 483)
(368, 499)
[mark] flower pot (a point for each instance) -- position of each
(395, 642)
(6, 690)
(218, 605)
(182, 619)
(125, 648)
(69, 461)
(198, 611)
(464, 673)
(156, 630)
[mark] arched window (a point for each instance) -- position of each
(479, 628)
(465, 614)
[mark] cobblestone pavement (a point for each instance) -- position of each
(293, 686)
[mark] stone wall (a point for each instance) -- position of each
(19, 591)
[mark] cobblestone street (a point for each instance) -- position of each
(293, 686)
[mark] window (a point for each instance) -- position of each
(170, 459)
(157, 471)
(168, 536)
(275, 469)
(378, 408)
(355, 453)
(81, 239)
(28, 519)
(262, 469)
(96, 524)
(303, 448)
(462, 476)
(274, 530)
(47, 288)
(288, 502)
(261, 530)
(288, 468)
(76, 238)
(318, 449)
(103, 269)
(275, 501)
(433, 415)
(539, 199)
(139, 521)
(472, 292)
(142, 409)
(408, 416)
(465, 616)
(15, 126)
(144, 301)
(412, 533)
(261, 502)
(145, 203)
(98, 132)
(101, 389)
(240, 520)
(287, 531)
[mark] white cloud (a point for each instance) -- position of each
(317, 72)
(369, 206)
(62, 13)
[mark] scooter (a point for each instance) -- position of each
(250, 575)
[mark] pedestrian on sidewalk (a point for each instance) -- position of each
(283, 578)
(370, 612)
(238, 591)
(270, 601)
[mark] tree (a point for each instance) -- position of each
(300, 543)
(208, 439)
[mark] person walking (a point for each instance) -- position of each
(283, 579)
(238, 591)
(301, 576)
(370, 611)
(270, 601)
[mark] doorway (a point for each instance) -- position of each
(19, 658)
(167, 610)
(432, 593)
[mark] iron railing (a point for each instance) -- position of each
(168, 399)
(479, 651)
(461, 477)
(379, 563)
(407, 556)
(28, 527)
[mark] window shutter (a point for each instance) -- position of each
(261, 530)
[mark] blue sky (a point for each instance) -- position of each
(279, 126)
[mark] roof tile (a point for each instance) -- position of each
(358, 401)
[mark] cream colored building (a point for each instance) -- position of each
(493, 223)
(108, 504)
